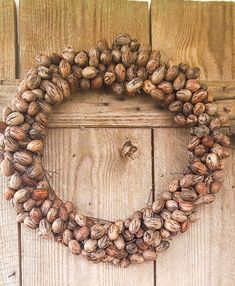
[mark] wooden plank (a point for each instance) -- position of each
(9, 239)
(103, 109)
(101, 183)
(222, 90)
(9, 252)
(7, 92)
(8, 39)
(92, 173)
(134, 112)
(206, 41)
(219, 89)
(199, 33)
(205, 255)
(50, 26)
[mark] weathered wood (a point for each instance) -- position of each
(101, 177)
(103, 109)
(219, 89)
(205, 254)
(9, 252)
(91, 172)
(199, 33)
(8, 39)
(102, 183)
(9, 239)
(222, 89)
(76, 23)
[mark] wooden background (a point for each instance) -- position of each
(87, 133)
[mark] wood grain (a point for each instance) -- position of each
(101, 183)
(205, 255)
(50, 26)
(199, 33)
(9, 252)
(9, 236)
(92, 173)
(104, 184)
(219, 89)
(103, 109)
(8, 39)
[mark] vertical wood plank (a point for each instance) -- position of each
(9, 253)
(92, 173)
(8, 39)
(9, 241)
(199, 33)
(101, 183)
(205, 255)
(50, 26)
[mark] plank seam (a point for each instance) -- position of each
(17, 61)
(17, 48)
(228, 127)
(150, 24)
(20, 254)
(153, 193)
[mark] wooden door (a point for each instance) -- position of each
(85, 153)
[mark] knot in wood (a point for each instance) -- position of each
(128, 149)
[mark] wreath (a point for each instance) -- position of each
(128, 68)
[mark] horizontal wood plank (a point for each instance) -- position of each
(103, 184)
(103, 109)
(219, 89)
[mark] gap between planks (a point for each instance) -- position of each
(81, 262)
(152, 150)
